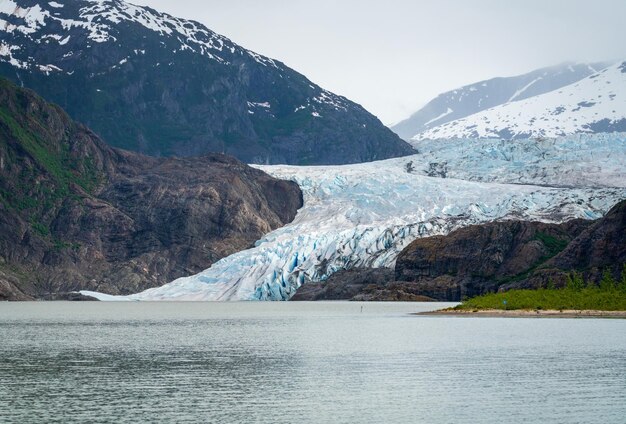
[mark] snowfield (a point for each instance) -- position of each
(592, 105)
(365, 214)
(482, 95)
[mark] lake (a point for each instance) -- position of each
(301, 362)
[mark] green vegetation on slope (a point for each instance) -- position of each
(608, 295)
(553, 246)
(38, 167)
(59, 164)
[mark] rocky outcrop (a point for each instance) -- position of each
(361, 284)
(345, 284)
(513, 254)
(149, 82)
(482, 258)
(9, 289)
(78, 214)
(602, 244)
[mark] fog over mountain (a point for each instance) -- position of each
(595, 104)
(465, 101)
(393, 57)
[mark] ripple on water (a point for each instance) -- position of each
(323, 362)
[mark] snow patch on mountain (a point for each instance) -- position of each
(473, 98)
(365, 214)
(34, 18)
(437, 118)
(327, 97)
(24, 26)
(594, 104)
(100, 17)
(6, 54)
(523, 89)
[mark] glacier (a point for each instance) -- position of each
(365, 214)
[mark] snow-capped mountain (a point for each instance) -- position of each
(154, 83)
(473, 98)
(594, 104)
(365, 214)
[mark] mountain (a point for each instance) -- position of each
(514, 254)
(592, 105)
(78, 214)
(152, 83)
(364, 215)
(483, 95)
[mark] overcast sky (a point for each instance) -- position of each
(392, 56)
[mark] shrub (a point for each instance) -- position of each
(575, 281)
(607, 283)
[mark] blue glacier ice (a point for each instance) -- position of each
(365, 214)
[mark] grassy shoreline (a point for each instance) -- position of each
(577, 299)
(590, 298)
(527, 313)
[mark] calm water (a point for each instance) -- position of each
(303, 362)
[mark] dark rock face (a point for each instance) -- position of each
(601, 246)
(361, 284)
(71, 296)
(152, 83)
(482, 258)
(76, 214)
(9, 289)
(514, 254)
(345, 284)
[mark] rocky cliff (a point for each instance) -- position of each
(78, 214)
(362, 284)
(600, 246)
(513, 254)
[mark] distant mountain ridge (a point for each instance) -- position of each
(160, 85)
(595, 104)
(473, 98)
